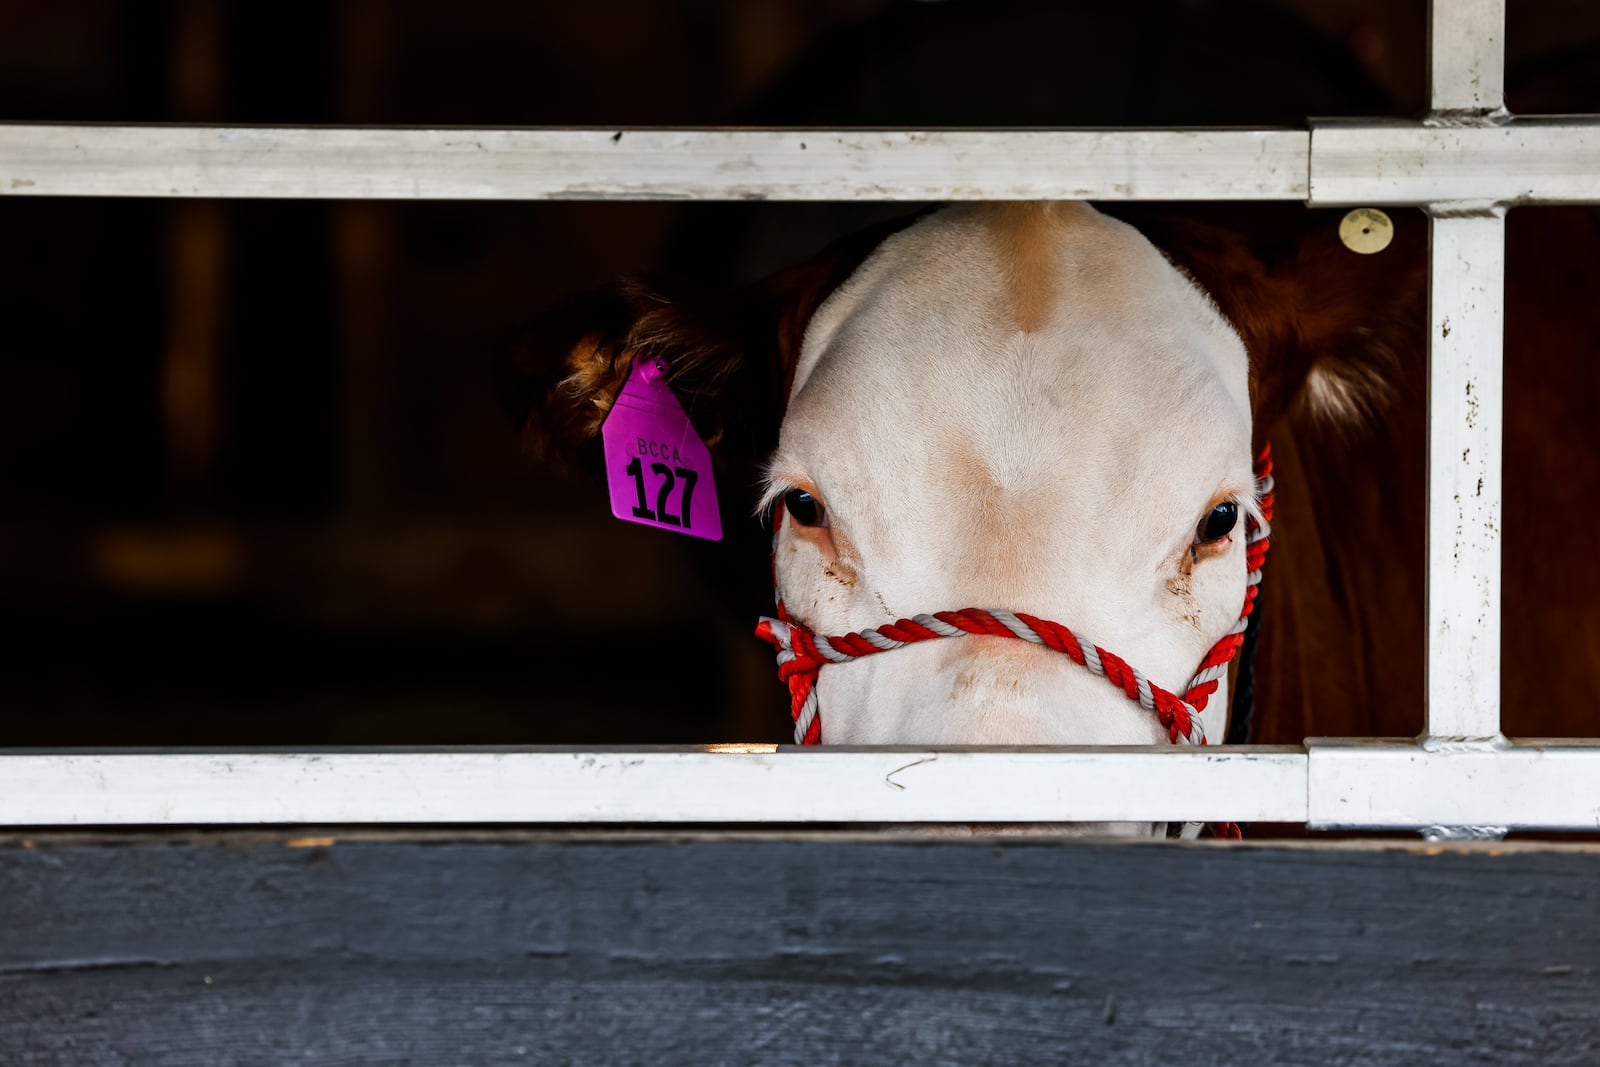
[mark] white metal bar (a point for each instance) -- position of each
(1524, 162)
(1466, 323)
(1527, 161)
(568, 164)
(654, 786)
(1553, 785)
(1332, 784)
(1467, 55)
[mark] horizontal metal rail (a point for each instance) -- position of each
(1328, 784)
(1550, 784)
(646, 164)
(720, 784)
(1520, 162)
(1526, 161)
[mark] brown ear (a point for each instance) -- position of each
(560, 377)
(731, 356)
(1329, 331)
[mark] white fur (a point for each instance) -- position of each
(1062, 472)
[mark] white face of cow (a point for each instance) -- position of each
(1022, 407)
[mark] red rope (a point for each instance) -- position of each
(800, 658)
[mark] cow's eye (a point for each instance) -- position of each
(1218, 523)
(806, 509)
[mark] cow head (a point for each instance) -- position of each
(1034, 407)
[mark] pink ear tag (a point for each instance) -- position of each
(657, 468)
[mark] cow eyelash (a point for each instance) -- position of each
(809, 517)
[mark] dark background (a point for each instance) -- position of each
(254, 486)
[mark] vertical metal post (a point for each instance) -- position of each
(1465, 317)
(1467, 56)
(1466, 296)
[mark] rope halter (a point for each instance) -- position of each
(802, 653)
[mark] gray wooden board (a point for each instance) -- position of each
(798, 949)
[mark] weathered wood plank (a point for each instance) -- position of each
(803, 950)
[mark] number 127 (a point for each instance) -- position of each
(668, 476)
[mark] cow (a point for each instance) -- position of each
(1052, 409)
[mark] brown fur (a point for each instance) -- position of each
(1002, 562)
(1341, 650)
(1342, 644)
(731, 357)
(1303, 303)
(1027, 234)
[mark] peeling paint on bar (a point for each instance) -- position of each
(1467, 56)
(1465, 387)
